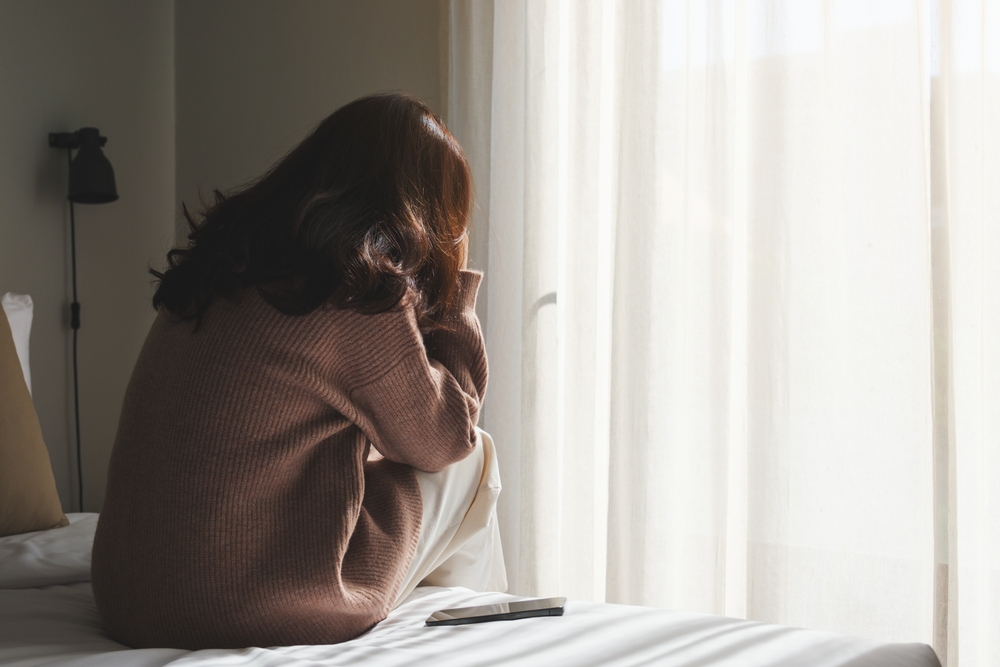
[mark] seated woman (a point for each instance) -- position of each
(315, 362)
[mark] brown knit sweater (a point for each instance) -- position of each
(241, 507)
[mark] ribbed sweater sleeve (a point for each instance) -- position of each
(421, 408)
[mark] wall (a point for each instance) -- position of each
(63, 65)
(254, 76)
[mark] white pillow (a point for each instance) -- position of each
(48, 557)
(20, 310)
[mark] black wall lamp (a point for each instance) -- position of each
(91, 181)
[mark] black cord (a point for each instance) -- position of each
(74, 322)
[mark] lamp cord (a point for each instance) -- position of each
(74, 322)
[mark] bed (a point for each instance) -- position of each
(48, 617)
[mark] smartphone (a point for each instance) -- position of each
(502, 611)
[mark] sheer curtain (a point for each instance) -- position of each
(742, 304)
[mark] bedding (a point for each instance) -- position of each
(20, 310)
(28, 497)
(48, 557)
(56, 624)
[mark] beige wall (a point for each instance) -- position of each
(254, 76)
(249, 77)
(63, 65)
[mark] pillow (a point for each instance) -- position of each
(19, 309)
(28, 498)
(48, 557)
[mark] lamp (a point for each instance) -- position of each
(91, 178)
(91, 181)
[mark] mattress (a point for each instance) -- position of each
(48, 617)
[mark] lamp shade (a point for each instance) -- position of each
(91, 178)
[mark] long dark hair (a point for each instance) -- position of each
(373, 205)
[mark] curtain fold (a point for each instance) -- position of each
(742, 304)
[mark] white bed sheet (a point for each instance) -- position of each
(58, 626)
(47, 557)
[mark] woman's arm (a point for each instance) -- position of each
(423, 410)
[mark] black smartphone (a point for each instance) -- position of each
(502, 611)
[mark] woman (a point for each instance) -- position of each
(315, 362)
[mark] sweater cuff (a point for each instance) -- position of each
(466, 290)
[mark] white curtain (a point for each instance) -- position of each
(742, 304)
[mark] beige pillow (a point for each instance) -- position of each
(28, 498)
